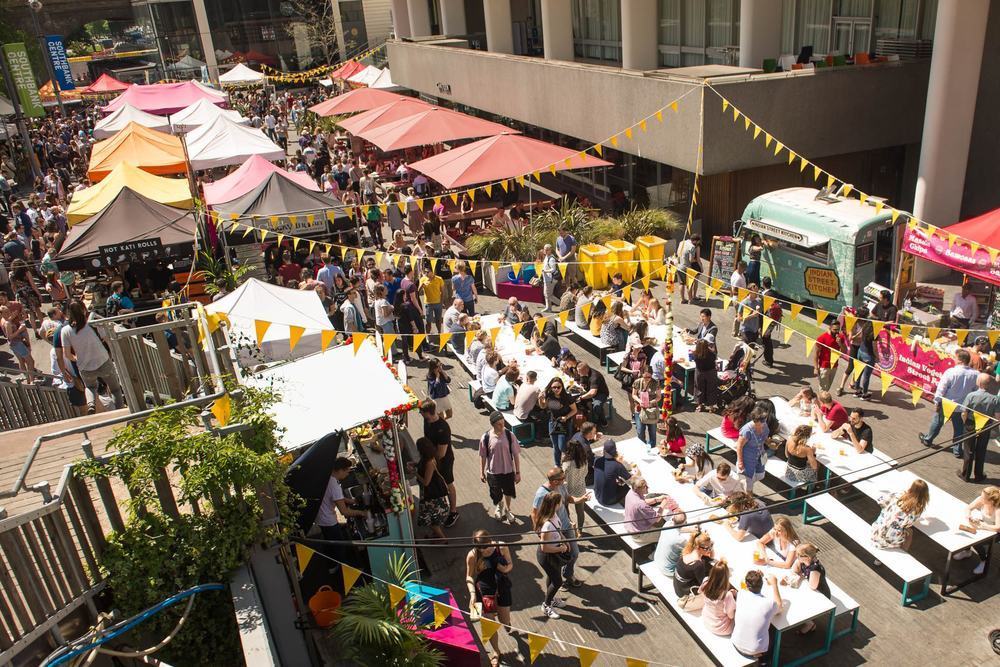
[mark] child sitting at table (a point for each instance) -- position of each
(804, 400)
(808, 568)
(696, 465)
(672, 447)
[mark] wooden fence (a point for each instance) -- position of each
(23, 405)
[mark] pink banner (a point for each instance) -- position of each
(910, 363)
(959, 256)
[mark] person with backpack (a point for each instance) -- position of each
(773, 312)
(500, 466)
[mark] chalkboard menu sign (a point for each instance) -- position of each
(725, 254)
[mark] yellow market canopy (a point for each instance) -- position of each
(170, 191)
(152, 151)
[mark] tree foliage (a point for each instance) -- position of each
(319, 25)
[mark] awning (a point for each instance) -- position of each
(384, 81)
(248, 176)
(500, 157)
(970, 247)
(186, 63)
(386, 113)
(203, 112)
(165, 98)
(241, 74)
(285, 207)
(152, 151)
(433, 126)
(361, 99)
(105, 85)
(783, 232)
(347, 70)
(365, 76)
(119, 120)
(224, 142)
(174, 192)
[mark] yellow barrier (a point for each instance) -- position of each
(593, 260)
(622, 259)
(650, 253)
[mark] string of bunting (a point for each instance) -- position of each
(315, 72)
(442, 612)
(846, 188)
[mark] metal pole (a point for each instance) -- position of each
(33, 8)
(15, 101)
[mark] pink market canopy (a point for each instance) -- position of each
(105, 85)
(250, 174)
(432, 126)
(347, 70)
(500, 157)
(165, 98)
(968, 252)
(361, 99)
(386, 113)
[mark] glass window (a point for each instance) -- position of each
(896, 19)
(670, 59)
(694, 22)
(855, 8)
(720, 23)
(814, 24)
(670, 22)
(864, 254)
(930, 17)
(788, 44)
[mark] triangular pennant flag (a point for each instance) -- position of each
(517, 328)
(454, 197)
(886, 382)
(673, 107)
(788, 334)
(536, 644)
(915, 393)
(294, 334)
(494, 332)
(350, 575)
(614, 140)
(469, 337)
(396, 594)
(777, 147)
(564, 316)
(537, 176)
(585, 309)
(994, 253)
(234, 226)
(726, 300)
(879, 205)
(599, 149)
(951, 239)
(803, 163)
(834, 357)
(222, 409)
(263, 234)
(636, 662)
(791, 156)
(862, 197)
(993, 336)
(303, 555)
(746, 312)
(859, 367)
(810, 342)
(642, 126)
(767, 140)
(452, 264)
(260, 327)
(505, 185)
(756, 131)
(357, 338)
(387, 341)
(628, 132)
(418, 340)
(659, 113)
(768, 302)
(933, 333)
(325, 338)
(948, 408)
(402, 207)
(496, 265)
(626, 294)
(895, 215)
(961, 335)
(364, 210)
(443, 339)
(906, 330)
(742, 293)
(489, 189)
(736, 114)
(830, 180)
(795, 309)
(312, 247)
(515, 267)
(434, 265)
(441, 613)
(378, 258)
(821, 316)
(692, 274)
(562, 268)
(586, 655)
(488, 628)
(746, 123)
(725, 104)
(816, 172)
(980, 420)
(246, 232)
(645, 281)
(850, 321)
(521, 179)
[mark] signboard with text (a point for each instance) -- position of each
(823, 283)
(130, 250)
(24, 79)
(910, 363)
(57, 54)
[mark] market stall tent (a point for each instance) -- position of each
(386, 113)
(249, 175)
(129, 217)
(119, 120)
(174, 192)
(432, 126)
(286, 199)
(280, 310)
(361, 99)
(165, 98)
(48, 93)
(968, 247)
(224, 142)
(384, 81)
(202, 112)
(503, 156)
(186, 63)
(152, 151)
(240, 75)
(365, 76)
(105, 85)
(6, 108)
(347, 70)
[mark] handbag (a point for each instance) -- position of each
(559, 428)
(693, 601)
(489, 603)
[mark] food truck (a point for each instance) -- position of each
(821, 248)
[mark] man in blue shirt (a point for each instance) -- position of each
(955, 385)
(464, 286)
(566, 252)
(749, 311)
(610, 477)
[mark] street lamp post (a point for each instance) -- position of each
(34, 7)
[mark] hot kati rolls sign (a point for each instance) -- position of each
(909, 363)
(127, 250)
(960, 256)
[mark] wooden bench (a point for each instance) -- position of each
(721, 648)
(613, 518)
(905, 566)
(615, 359)
(522, 430)
(773, 466)
(589, 340)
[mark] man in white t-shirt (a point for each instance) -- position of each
(720, 483)
(333, 500)
(754, 613)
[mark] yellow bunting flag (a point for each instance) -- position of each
(980, 420)
(357, 338)
(642, 126)
(636, 662)
(746, 312)
(387, 341)
(768, 302)
(473, 263)
(915, 393)
(746, 123)
(834, 357)
(993, 335)
(325, 338)
(627, 293)
(736, 114)
(536, 644)
(222, 409)
(488, 628)
(810, 342)
(599, 149)
(441, 613)
(821, 316)
(378, 258)
(586, 655)
(494, 332)
(777, 147)
(791, 156)
(788, 334)
(469, 337)
(443, 340)
(742, 293)
(562, 268)
(803, 163)
(692, 274)
(725, 104)
(816, 172)
(645, 281)
(795, 309)
(303, 554)
(895, 215)
(933, 333)
(726, 300)
(396, 594)
(351, 575)
(906, 330)
(994, 253)
(540, 324)
(859, 368)
(767, 140)
(830, 180)
(537, 176)
(614, 141)
(563, 317)
(489, 189)
(504, 184)
(515, 267)
(886, 382)
(294, 334)
(850, 321)
(846, 190)
(585, 309)
(418, 340)
(517, 328)
(948, 408)
(261, 327)
(628, 132)
(961, 334)
(756, 131)
(246, 232)
(454, 197)
(673, 107)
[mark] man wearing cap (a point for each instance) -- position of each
(500, 466)
(610, 477)
(556, 481)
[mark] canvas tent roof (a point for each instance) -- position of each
(152, 151)
(283, 197)
(6, 108)
(387, 113)
(249, 175)
(202, 112)
(241, 74)
(384, 82)
(347, 70)
(432, 126)
(48, 93)
(187, 62)
(129, 217)
(165, 98)
(170, 191)
(104, 85)
(365, 76)
(120, 119)
(361, 99)
(224, 142)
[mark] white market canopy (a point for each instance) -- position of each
(202, 113)
(282, 309)
(241, 74)
(118, 120)
(316, 398)
(187, 62)
(6, 108)
(384, 81)
(366, 76)
(224, 142)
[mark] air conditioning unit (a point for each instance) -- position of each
(906, 49)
